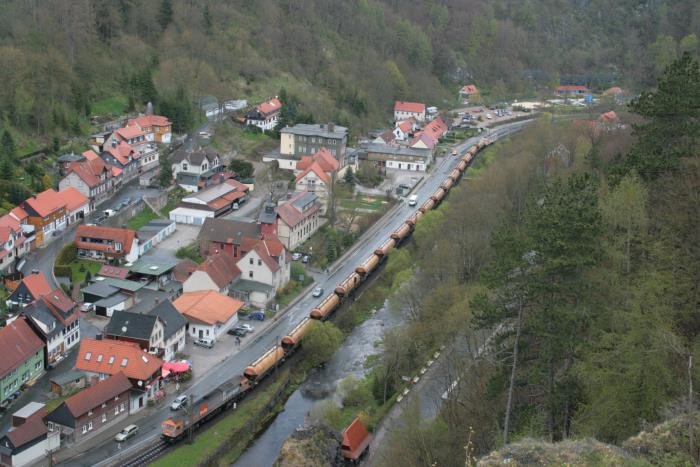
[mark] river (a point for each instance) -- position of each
(348, 360)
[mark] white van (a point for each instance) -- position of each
(412, 200)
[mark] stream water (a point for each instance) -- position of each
(348, 360)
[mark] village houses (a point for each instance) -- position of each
(106, 243)
(265, 115)
(209, 313)
(405, 110)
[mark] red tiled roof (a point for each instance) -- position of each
(73, 198)
(111, 357)
(124, 236)
(10, 222)
(571, 88)
(100, 392)
(5, 233)
(415, 107)
(17, 344)
(37, 285)
(405, 126)
(45, 202)
(150, 120)
(291, 215)
(209, 307)
(435, 129)
(221, 268)
(355, 439)
(121, 152)
(129, 132)
(469, 89)
(19, 213)
(116, 171)
(26, 432)
(89, 170)
(323, 157)
(387, 136)
(425, 138)
(113, 271)
(269, 107)
(315, 168)
(59, 301)
(609, 116)
(237, 185)
(264, 254)
(90, 155)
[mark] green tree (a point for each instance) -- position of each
(165, 14)
(7, 146)
(165, 178)
(331, 248)
(243, 169)
(663, 52)
(672, 120)
(206, 20)
(349, 176)
(321, 342)
(690, 44)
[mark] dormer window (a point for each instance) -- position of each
(88, 356)
(125, 361)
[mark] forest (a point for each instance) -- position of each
(64, 61)
(564, 278)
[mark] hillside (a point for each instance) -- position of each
(62, 61)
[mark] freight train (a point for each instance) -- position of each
(226, 395)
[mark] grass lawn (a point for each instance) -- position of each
(142, 218)
(109, 105)
(78, 276)
(294, 287)
(174, 198)
(206, 442)
(364, 202)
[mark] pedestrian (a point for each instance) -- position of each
(177, 387)
(238, 341)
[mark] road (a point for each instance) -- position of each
(108, 454)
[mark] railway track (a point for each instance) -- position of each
(147, 456)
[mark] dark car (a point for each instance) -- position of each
(238, 332)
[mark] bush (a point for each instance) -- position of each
(67, 255)
(62, 270)
(243, 169)
(190, 251)
(369, 175)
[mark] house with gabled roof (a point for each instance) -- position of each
(218, 272)
(92, 410)
(405, 110)
(106, 243)
(226, 235)
(91, 177)
(122, 156)
(77, 204)
(209, 313)
(195, 170)
(14, 242)
(316, 174)
(22, 357)
(28, 439)
(468, 91)
(174, 328)
(298, 218)
(46, 211)
(267, 262)
(144, 330)
(211, 202)
(102, 358)
(55, 320)
(32, 287)
(156, 127)
(571, 90)
(265, 115)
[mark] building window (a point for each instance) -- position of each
(250, 274)
(259, 262)
(122, 407)
(116, 410)
(251, 261)
(84, 429)
(104, 417)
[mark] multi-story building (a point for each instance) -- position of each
(47, 213)
(405, 110)
(306, 139)
(174, 331)
(298, 219)
(93, 178)
(265, 115)
(14, 243)
(104, 243)
(197, 169)
(209, 313)
(22, 357)
(122, 156)
(156, 127)
(92, 410)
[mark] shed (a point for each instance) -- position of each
(356, 440)
(68, 382)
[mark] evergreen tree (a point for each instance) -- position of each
(671, 129)
(206, 20)
(349, 177)
(165, 14)
(8, 150)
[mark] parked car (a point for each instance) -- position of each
(296, 256)
(247, 327)
(206, 342)
(126, 433)
(35, 271)
(237, 331)
(87, 306)
(57, 233)
(257, 315)
(318, 291)
(489, 116)
(179, 402)
(305, 259)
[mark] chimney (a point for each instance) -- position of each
(98, 337)
(114, 143)
(331, 126)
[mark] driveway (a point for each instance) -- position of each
(184, 235)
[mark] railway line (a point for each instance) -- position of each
(226, 395)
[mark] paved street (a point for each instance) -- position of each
(106, 454)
